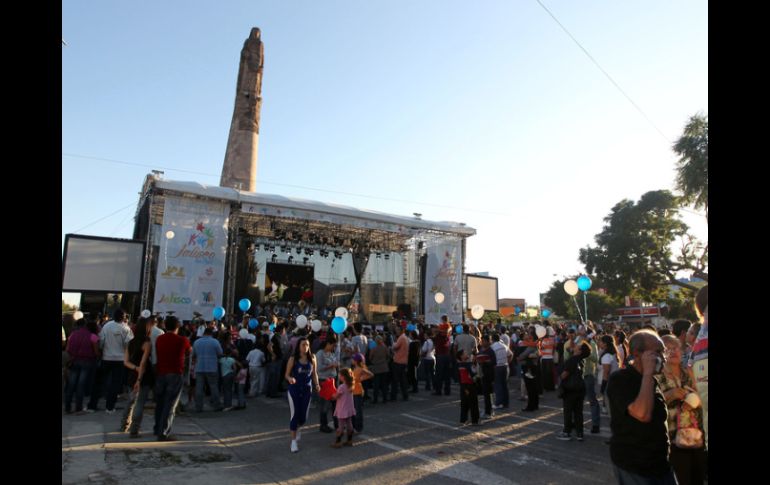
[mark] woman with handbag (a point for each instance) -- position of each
(685, 420)
(572, 390)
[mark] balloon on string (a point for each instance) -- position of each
(571, 287)
(477, 311)
(459, 329)
(315, 325)
(372, 344)
(341, 312)
(145, 314)
(78, 315)
(439, 297)
(410, 327)
(244, 304)
(584, 283)
(253, 323)
(301, 321)
(540, 331)
(218, 312)
(243, 333)
(516, 310)
(546, 313)
(339, 325)
(272, 327)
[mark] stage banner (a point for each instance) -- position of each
(191, 266)
(444, 274)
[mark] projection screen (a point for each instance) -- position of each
(482, 290)
(102, 264)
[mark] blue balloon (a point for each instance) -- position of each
(253, 323)
(459, 329)
(516, 310)
(339, 325)
(411, 327)
(546, 313)
(372, 344)
(244, 304)
(584, 283)
(272, 327)
(218, 312)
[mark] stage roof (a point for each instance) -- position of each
(282, 202)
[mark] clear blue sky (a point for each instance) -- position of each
(479, 112)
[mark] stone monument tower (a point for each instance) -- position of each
(240, 168)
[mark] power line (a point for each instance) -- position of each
(287, 185)
(102, 218)
(605, 72)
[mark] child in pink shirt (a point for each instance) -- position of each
(345, 410)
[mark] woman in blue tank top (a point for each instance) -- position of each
(302, 377)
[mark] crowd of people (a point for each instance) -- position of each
(650, 383)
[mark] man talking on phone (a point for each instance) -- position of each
(639, 445)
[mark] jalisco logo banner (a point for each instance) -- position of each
(444, 274)
(191, 266)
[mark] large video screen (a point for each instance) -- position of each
(482, 290)
(288, 282)
(102, 264)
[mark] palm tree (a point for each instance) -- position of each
(693, 165)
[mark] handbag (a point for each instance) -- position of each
(687, 437)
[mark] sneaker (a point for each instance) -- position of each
(228, 409)
(294, 447)
(564, 436)
(529, 375)
(109, 411)
(580, 437)
(90, 411)
(499, 406)
(485, 416)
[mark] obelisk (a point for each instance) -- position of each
(240, 168)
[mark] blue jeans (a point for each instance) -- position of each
(590, 381)
(443, 374)
(627, 478)
(113, 371)
(80, 373)
(242, 395)
(132, 416)
(502, 396)
(399, 380)
(428, 366)
(227, 389)
(358, 419)
(273, 378)
(201, 378)
(168, 388)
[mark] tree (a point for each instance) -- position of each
(634, 253)
(67, 308)
(693, 166)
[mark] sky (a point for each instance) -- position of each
(486, 113)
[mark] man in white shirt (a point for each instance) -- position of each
(503, 356)
(113, 340)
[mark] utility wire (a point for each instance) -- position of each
(105, 217)
(605, 72)
(288, 185)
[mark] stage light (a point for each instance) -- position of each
(387, 256)
(378, 255)
(274, 258)
(291, 260)
(299, 250)
(304, 260)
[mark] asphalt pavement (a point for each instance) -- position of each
(416, 441)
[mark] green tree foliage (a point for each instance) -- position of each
(633, 253)
(693, 166)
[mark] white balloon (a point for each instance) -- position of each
(170, 234)
(540, 331)
(301, 321)
(315, 325)
(439, 297)
(243, 333)
(145, 313)
(341, 312)
(77, 315)
(477, 311)
(571, 287)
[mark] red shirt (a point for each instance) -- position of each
(171, 349)
(441, 343)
